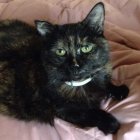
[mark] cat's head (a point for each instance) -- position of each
(75, 52)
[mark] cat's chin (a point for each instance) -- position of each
(78, 83)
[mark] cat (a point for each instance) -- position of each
(62, 71)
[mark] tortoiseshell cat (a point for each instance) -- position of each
(58, 71)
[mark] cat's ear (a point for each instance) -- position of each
(43, 27)
(96, 16)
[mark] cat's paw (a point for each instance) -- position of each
(119, 92)
(109, 126)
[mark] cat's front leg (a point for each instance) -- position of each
(117, 92)
(84, 117)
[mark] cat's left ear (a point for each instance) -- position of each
(43, 27)
(96, 17)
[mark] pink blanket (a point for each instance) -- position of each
(122, 29)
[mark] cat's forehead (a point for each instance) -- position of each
(77, 39)
(71, 40)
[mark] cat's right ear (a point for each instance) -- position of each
(43, 27)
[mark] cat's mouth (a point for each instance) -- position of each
(76, 83)
(79, 82)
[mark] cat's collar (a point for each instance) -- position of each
(78, 83)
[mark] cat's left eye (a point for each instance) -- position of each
(60, 52)
(87, 48)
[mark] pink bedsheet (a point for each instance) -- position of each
(122, 29)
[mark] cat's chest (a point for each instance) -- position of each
(70, 91)
(86, 92)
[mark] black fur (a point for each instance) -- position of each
(33, 77)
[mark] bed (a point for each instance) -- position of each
(122, 29)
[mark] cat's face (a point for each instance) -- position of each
(74, 52)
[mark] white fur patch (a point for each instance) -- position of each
(78, 83)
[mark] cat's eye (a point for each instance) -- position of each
(87, 48)
(60, 52)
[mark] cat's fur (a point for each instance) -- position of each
(33, 78)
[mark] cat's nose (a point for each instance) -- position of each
(75, 71)
(75, 63)
(75, 68)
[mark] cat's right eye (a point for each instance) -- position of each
(60, 52)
